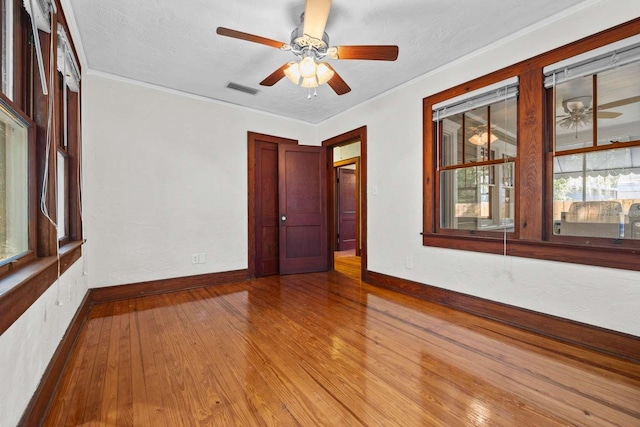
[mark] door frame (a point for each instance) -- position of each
(252, 140)
(336, 165)
(359, 134)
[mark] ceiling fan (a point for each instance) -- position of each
(579, 112)
(310, 44)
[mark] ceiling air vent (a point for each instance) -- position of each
(241, 88)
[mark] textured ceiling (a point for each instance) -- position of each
(174, 44)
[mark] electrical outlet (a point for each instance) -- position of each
(202, 258)
(194, 259)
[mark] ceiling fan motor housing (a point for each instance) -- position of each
(301, 41)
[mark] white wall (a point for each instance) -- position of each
(28, 345)
(166, 177)
(604, 297)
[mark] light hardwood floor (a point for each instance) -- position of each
(326, 349)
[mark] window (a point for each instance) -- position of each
(596, 150)
(477, 145)
(6, 47)
(67, 106)
(39, 153)
(14, 185)
(552, 173)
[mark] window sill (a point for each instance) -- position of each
(20, 289)
(602, 256)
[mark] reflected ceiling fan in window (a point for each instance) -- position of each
(310, 44)
(579, 112)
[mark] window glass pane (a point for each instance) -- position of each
(451, 131)
(489, 133)
(14, 187)
(619, 104)
(476, 134)
(597, 194)
(574, 121)
(504, 130)
(6, 47)
(61, 199)
(478, 198)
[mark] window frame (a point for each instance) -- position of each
(533, 177)
(438, 138)
(29, 255)
(593, 148)
(24, 280)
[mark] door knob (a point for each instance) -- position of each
(283, 218)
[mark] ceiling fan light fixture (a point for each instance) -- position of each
(308, 67)
(324, 73)
(309, 82)
(483, 138)
(293, 72)
(577, 103)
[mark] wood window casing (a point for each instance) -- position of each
(533, 180)
(24, 280)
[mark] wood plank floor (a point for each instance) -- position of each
(326, 349)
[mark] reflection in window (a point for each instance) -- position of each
(596, 191)
(6, 47)
(481, 199)
(597, 194)
(14, 187)
(477, 147)
(61, 196)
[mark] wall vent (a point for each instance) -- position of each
(241, 88)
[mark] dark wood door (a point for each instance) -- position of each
(347, 220)
(266, 209)
(303, 218)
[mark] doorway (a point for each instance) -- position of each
(264, 216)
(347, 156)
(287, 207)
(347, 220)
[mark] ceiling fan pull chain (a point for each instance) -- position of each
(309, 96)
(315, 92)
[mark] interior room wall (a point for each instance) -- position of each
(168, 179)
(603, 297)
(29, 344)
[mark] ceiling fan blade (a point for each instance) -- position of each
(316, 13)
(565, 123)
(619, 103)
(274, 77)
(338, 85)
(608, 114)
(371, 52)
(250, 37)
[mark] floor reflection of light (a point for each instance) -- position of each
(337, 347)
(478, 413)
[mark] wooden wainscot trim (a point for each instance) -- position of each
(163, 286)
(602, 340)
(40, 402)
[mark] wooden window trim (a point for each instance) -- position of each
(19, 290)
(531, 238)
(32, 186)
(23, 281)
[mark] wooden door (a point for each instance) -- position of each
(266, 209)
(347, 220)
(303, 213)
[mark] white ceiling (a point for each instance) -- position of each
(174, 44)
